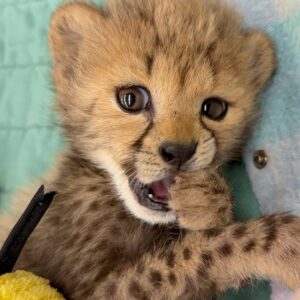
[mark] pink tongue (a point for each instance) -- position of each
(159, 189)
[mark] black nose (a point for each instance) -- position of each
(177, 154)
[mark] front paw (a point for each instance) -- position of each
(282, 242)
(201, 200)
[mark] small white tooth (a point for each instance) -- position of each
(151, 196)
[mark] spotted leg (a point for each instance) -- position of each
(208, 262)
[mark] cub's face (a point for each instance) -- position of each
(150, 88)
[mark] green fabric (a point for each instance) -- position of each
(28, 138)
(246, 207)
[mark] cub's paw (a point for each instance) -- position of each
(201, 200)
(282, 243)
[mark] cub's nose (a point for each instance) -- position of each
(177, 154)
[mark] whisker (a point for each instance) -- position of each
(151, 164)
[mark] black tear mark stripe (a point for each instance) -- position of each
(128, 167)
(139, 142)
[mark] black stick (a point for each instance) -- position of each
(20, 233)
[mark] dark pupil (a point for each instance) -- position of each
(213, 109)
(129, 100)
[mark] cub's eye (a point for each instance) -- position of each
(133, 99)
(214, 108)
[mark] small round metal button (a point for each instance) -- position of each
(260, 159)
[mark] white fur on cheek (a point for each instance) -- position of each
(104, 160)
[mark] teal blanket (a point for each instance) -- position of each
(28, 139)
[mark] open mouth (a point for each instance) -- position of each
(155, 195)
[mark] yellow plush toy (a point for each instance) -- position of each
(22, 285)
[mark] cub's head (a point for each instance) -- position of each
(148, 88)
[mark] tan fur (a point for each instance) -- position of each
(201, 200)
(96, 241)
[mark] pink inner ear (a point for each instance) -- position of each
(70, 36)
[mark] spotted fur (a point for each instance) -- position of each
(96, 241)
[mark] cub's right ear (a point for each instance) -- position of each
(261, 57)
(70, 26)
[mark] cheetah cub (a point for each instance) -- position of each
(154, 97)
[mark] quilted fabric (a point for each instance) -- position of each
(277, 186)
(28, 137)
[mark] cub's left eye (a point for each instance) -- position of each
(214, 108)
(133, 99)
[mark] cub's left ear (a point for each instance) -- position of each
(71, 25)
(260, 51)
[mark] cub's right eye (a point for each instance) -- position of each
(133, 99)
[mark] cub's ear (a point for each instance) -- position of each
(70, 25)
(261, 58)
